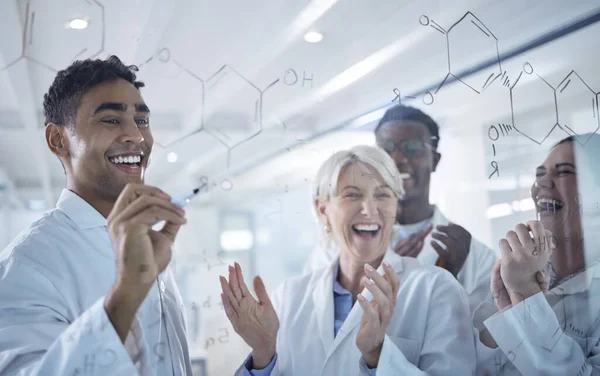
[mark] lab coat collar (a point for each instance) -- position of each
(438, 217)
(79, 211)
(579, 283)
(323, 300)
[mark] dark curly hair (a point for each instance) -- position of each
(62, 100)
(400, 112)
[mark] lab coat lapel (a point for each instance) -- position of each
(323, 301)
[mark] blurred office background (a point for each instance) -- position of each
(247, 100)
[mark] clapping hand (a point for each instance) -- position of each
(457, 241)
(413, 244)
(254, 320)
(377, 313)
(523, 257)
(499, 291)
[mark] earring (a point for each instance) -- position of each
(327, 228)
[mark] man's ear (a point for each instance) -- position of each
(56, 139)
(436, 159)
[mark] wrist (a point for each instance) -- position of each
(262, 358)
(372, 358)
(523, 292)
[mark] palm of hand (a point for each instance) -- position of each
(256, 323)
(370, 336)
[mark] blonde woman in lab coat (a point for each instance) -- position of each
(368, 312)
(555, 332)
(422, 231)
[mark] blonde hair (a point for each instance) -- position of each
(325, 181)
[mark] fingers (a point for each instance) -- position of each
(513, 241)
(380, 282)
(505, 249)
(240, 277)
(261, 292)
(409, 247)
(132, 191)
(234, 284)
(392, 278)
(523, 236)
(539, 233)
(170, 229)
(544, 281)
(424, 232)
(229, 310)
(444, 254)
(495, 276)
(229, 297)
(369, 311)
(150, 209)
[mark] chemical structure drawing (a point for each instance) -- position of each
(229, 127)
(580, 122)
(465, 39)
(494, 133)
(427, 98)
(40, 31)
(562, 110)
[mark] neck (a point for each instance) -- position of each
(414, 210)
(102, 205)
(352, 271)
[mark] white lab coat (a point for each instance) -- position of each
(430, 332)
(553, 335)
(474, 275)
(53, 279)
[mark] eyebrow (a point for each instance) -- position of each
(564, 164)
(558, 165)
(121, 107)
(383, 186)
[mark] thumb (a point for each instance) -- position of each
(170, 230)
(544, 281)
(261, 292)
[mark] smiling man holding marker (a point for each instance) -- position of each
(86, 288)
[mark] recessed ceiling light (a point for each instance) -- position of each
(172, 157)
(313, 37)
(78, 23)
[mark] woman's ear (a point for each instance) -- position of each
(56, 140)
(321, 209)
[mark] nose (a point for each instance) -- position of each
(399, 157)
(131, 133)
(369, 208)
(543, 181)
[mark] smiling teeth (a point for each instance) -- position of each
(366, 227)
(130, 159)
(547, 202)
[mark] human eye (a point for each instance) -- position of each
(351, 195)
(383, 195)
(142, 123)
(110, 121)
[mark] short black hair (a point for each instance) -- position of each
(401, 112)
(62, 100)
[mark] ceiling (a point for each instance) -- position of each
(240, 97)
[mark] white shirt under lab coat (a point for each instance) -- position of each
(553, 335)
(53, 280)
(429, 334)
(474, 275)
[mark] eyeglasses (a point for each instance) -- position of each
(410, 148)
